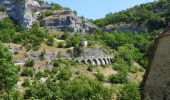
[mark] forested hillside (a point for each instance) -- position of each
(40, 62)
(151, 16)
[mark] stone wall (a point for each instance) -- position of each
(156, 84)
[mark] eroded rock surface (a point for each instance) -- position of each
(22, 11)
(66, 20)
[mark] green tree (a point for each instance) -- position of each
(8, 72)
(65, 74)
(129, 92)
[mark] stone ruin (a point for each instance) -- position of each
(93, 55)
(156, 82)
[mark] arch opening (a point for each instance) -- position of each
(83, 61)
(105, 61)
(95, 61)
(101, 62)
(89, 61)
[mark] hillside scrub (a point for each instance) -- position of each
(153, 16)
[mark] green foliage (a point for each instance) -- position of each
(128, 53)
(30, 38)
(75, 12)
(27, 72)
(44, 14)
(56, 63)
(153, 16)
(26, 82)
(129, 92)
(100, 76)
(2, 8)
(119, 78)
(13, 94)
(29, 63)
(64, 74)
(8, 72)
(79, 88)
(84, 88)
(56, 6)
(90, 68)
(42, 55)
(50, 41)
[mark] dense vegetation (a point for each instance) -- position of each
(30, 38)
(153, 15)
(8, 72)
(132, 52)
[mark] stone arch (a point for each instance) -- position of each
(77, 61)
(111, 59)
(95, 61)
(102, 61)
(83, 61)
(106, 62)
(89, 61)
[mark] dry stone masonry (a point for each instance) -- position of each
(156, 83)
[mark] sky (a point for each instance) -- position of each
(94, 9)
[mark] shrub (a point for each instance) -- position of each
(134, 69)
(65, 74)
(57, 63)
(119, 78)
(29, 63)
(41, 56)
(90, 68)
(56, 6)
(26, 82)
(84, 88)
(13, 94)
(27, 72)
(50, 41)
(61, 45)
(2, 8)
(100, 76)
(39, 74)
(129, 92)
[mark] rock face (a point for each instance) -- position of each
(66, 20)
(156, 83)
(125, 27)
(26, 11)
(21, 10)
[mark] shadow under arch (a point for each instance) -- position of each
(89, 61)
(83, 61)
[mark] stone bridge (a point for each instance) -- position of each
(95, 60)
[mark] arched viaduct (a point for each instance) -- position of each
(95, 60)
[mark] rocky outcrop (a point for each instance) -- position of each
(66, 20)
(21, 10)
(26, 11)
(3, 15)
(125, 27)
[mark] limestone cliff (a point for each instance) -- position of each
(67, 20)
(27, 11)
(21, 10)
